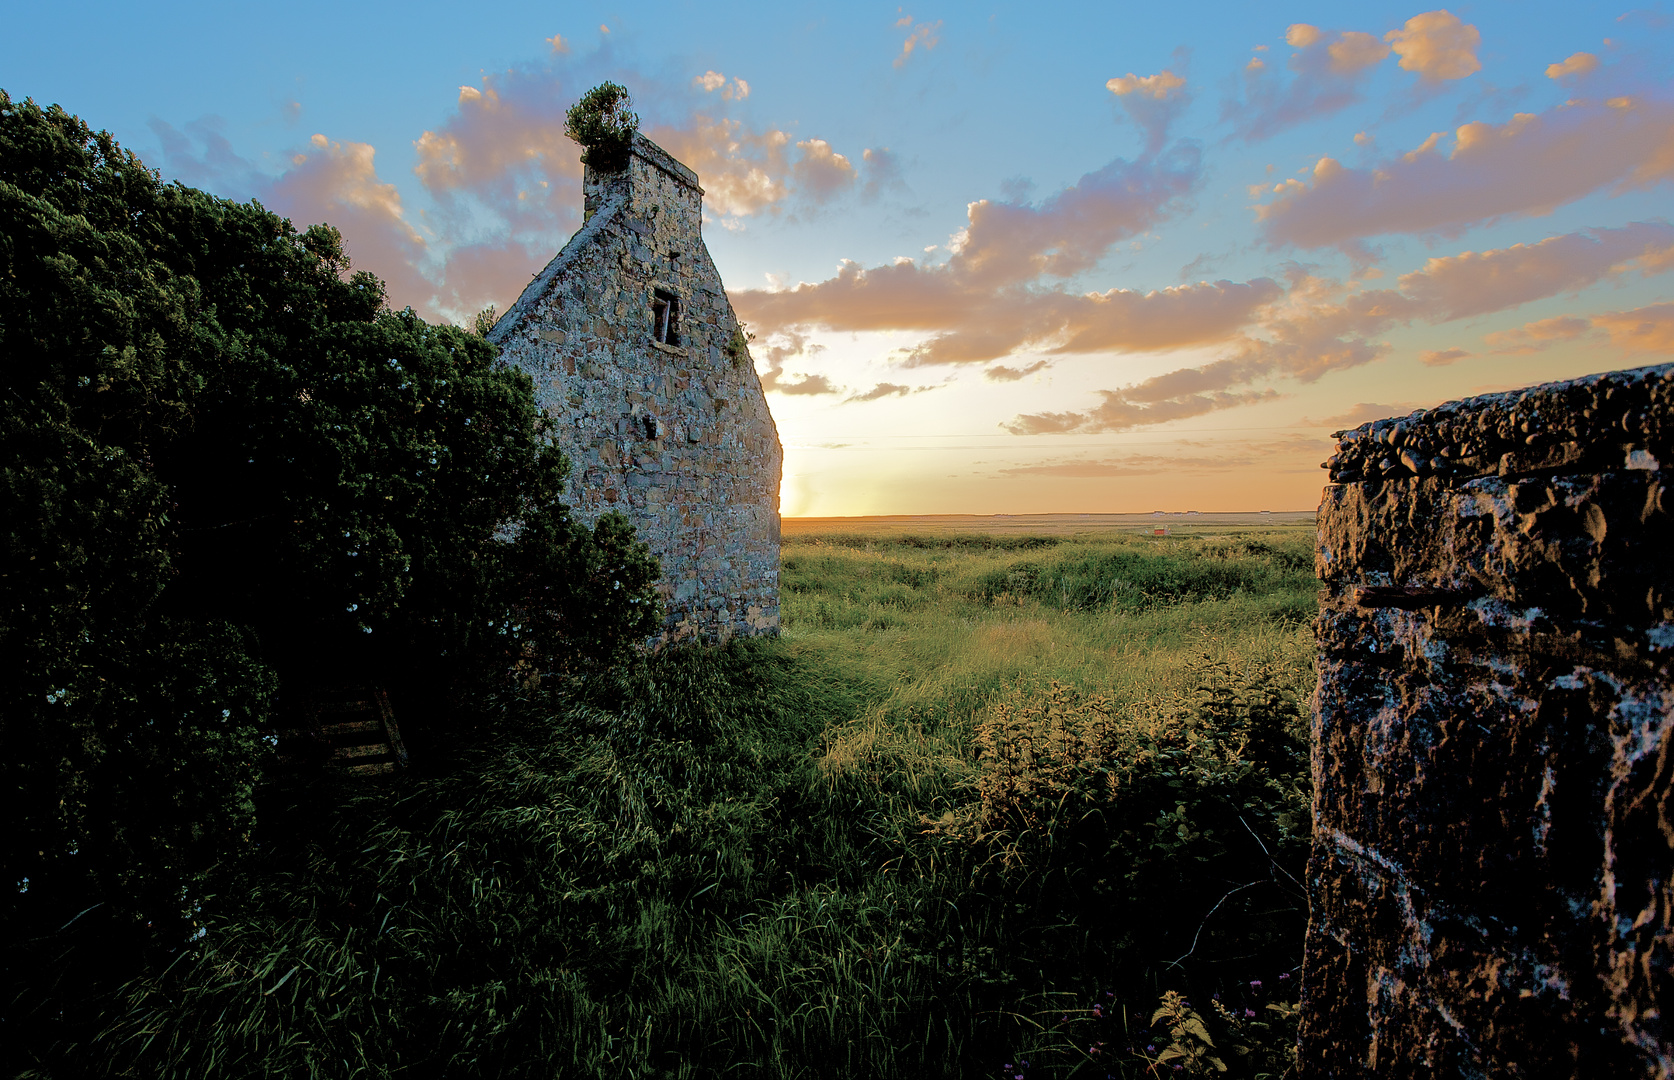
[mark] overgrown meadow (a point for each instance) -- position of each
(1021, 806)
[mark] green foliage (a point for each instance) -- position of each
(737, 347)
(844, 852)
(222, 461)
(604, 126)
(484, 321)
(1189, 1043)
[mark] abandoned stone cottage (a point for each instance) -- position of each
(636, 353)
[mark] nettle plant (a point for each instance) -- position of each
(1187, 816)
(604, 126)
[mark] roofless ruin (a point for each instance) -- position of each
(634, 349)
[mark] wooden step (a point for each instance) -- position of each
(376, 768)
(349, 732)
(378, 749)
(322, 708)
(355, 727)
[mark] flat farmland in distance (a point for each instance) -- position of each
(1179, 524)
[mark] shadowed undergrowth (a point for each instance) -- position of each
(979, 802)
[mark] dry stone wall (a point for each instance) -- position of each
(1493, 865)
(636, 353)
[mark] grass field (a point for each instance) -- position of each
(988, 799)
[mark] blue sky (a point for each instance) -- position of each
(999, 258)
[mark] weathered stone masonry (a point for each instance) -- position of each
(1493, 866)
(636, 352)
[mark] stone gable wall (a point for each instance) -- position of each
(1493, 867)
(678, 438)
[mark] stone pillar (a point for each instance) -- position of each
(1493, 866)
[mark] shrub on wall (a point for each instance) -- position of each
(604, 126)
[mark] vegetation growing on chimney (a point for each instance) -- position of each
(604, 126)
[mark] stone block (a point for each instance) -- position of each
(1492, 876)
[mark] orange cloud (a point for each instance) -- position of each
(1152, 101)
(557, 44)
(711, 81)
(788, 345)
(338, 182)
(1071, 231)
(1354, 50)
(1349, 51)
(1320, 325)
(923, 34)
(1581, 63)
(1473, 283)
(742, 172)
(1530, 165)
(491, 135)
(1328, 72)
(1002, 373)
(1158, 87)
(884, 390)
(1648, 329)
(822, 172)
(1122, 412)
(1437, 45)
(1535, 336)
(1316, 327)
(976, 321)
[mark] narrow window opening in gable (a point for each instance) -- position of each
(665, 317)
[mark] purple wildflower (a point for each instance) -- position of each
(1255, 984)
(1249, 1014)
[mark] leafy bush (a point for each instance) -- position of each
(604, 126)
(223, 462)
(1179, 810)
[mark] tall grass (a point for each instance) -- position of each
(977, 788)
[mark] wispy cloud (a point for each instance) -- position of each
(888, 390)
(1320, 325)
(1535, 336)
(785, 346)
(995, 293)
(1153, 102)
(923, 35)
(1328, 71)
(1528, 165)
(1002, 373)
(822, 172)
(1240, 455)
(1648, 329)
(1474, 283)
(1641, 330)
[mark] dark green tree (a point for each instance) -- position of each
(227, 468)
(604, 126)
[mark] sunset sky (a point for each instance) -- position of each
(998, 258)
